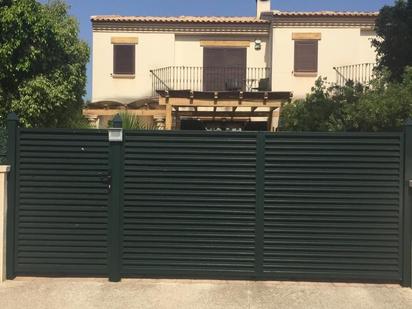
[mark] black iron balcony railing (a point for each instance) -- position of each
(359, 73)
(211, 78)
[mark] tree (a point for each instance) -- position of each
(42, 63)
(324, 109)
(394, 42)
(382, 106)
(385, 106)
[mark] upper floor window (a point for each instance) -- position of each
(124, 62)
(306, 56)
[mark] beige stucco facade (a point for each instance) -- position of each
(338, 46)
(189, 50)
(341, 44)
(153, 50)
(159, 50)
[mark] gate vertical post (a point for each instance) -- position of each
(407, 209)
(12, 127)
(115, 198)
(260, 200)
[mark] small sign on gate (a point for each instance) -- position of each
(115, 135)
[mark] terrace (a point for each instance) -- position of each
(224, 78)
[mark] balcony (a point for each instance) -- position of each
(359, 73)
(211, 78)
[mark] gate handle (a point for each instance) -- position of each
(105, 178)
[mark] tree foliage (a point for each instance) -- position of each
(394, 42)
(324, 109)
(42, 63)
(386, 105)
(382, 106)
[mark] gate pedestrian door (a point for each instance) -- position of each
(60, 219)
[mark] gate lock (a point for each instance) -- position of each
(106, 179)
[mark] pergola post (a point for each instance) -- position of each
(169, 117)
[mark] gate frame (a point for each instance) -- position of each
(407, 206)
(116, 201)
(12, 138)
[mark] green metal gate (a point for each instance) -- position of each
(59, 225)
(190, 201)
(333, 206)
(267, 206)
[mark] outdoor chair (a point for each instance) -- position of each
(264, 85)
(233, 85)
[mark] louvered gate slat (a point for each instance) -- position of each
(61, 213)
(333, 206)
(189, 204)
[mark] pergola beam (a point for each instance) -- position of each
(183, 102)
(113, 112)
(227, 114)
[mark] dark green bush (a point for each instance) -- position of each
(382, 105)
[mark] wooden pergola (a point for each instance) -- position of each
(173, 105)
(147, 108)
(234, 105)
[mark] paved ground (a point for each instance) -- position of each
(100, 294)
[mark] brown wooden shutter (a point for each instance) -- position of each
(306, 56)
(224, 69)
(124, 59)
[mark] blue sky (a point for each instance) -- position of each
(83, 9)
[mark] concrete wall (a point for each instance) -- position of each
(3, 216)
(153, 51)
(337, 47)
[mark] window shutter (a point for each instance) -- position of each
(306, 56)
(124, 59)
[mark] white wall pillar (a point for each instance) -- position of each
(4, 169)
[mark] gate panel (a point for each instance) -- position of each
(189, 204)
(333, 206)
(61, 209)
(317, 206)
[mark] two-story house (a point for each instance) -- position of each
(223, 72)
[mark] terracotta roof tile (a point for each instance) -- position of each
(180, 19)
(325, 14)
(226, 20)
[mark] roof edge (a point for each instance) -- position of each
(179, 19)
(321, 14)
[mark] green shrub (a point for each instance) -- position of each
(386, 106)
(133, 122)
(380, 106)
(324, 109)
